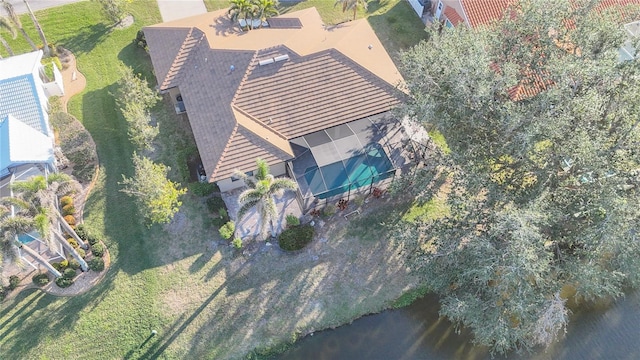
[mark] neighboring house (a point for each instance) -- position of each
(476, 13)
(26, 138)
(281, 93)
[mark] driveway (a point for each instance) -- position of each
(178, 9)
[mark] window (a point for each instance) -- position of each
(235, 178)
(448, 24)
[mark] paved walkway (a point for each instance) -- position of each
(21, 8)
(250, 225)
(178, 9)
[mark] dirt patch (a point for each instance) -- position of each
(125, 23)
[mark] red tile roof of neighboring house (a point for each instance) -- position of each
(484, 12)
(452, 15)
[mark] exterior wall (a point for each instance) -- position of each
(228, 184)
(455, 4)
(173, 94)
(417, 7)
(55, 87)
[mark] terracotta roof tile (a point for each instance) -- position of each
(452, 15)
(484, 12)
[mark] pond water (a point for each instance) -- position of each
(416, 332)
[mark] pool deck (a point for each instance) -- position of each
(249, 227)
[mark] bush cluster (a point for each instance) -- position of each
(329, 210)
(69, 273)
(14, 281)
(97, 249)
(60, 266)
(296, 237)
(203, 189)
(215, 203)
(63, 282)
(41, 279)
(70, 219)
(73, 243)
(86, 235)
(73, 264)
(292, 220)
(68, 209)
(66, 200)
(96, 264)
(226, 231)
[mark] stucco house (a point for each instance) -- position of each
(306, 97)
(26, 137)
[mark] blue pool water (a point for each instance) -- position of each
(350, 174)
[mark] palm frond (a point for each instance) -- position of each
(263, 169)
(245, 208)
(283, 184)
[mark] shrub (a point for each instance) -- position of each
(222, 213)
(66, 200)
(41, 279)
(68, 209)
(69, 273)
(329, 210)
(214, 203)
(295, 238)
(82, 232)
(73, 264)
(70, 219)
(60, 266)
(97, 249)
(292, 220)
(92, 240)
(96, 264)
(81, 252)
(218, 222)
(202, 189)
(63, 282)
(237, 243)
(73, 243)
(14, 281)
(3, 293)
(226, 231)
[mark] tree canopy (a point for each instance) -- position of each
(541, 116)
(158, 198)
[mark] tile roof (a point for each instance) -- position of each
(310, 93)
(239, 110)
(484, 12)
(19, 97)
(452, 15)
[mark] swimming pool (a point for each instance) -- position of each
(363, 169)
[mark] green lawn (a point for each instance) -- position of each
(204, 299)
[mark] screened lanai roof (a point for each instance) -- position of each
(345, 157)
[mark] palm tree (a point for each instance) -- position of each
(266, 9)
(262, 189)
(15, 19)
(42, 195)
(15, 220)
(352, 5)
(6, 25)
(45, 44)
(242, 9)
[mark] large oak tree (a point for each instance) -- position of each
(541, 116)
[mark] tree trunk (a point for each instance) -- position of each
(70, 249)
(28, 38)
(6, 46)
(40, 259)
(70, 231)
(45, 44)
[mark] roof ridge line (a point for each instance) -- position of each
(189, 42)
(224, 151)
(258, 122)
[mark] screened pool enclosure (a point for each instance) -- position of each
(347, 159)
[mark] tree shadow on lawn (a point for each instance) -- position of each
(87, 38)
(137, 59)
(34, 316)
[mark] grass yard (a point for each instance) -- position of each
(204, 299)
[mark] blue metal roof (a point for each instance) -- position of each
(19, 98)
